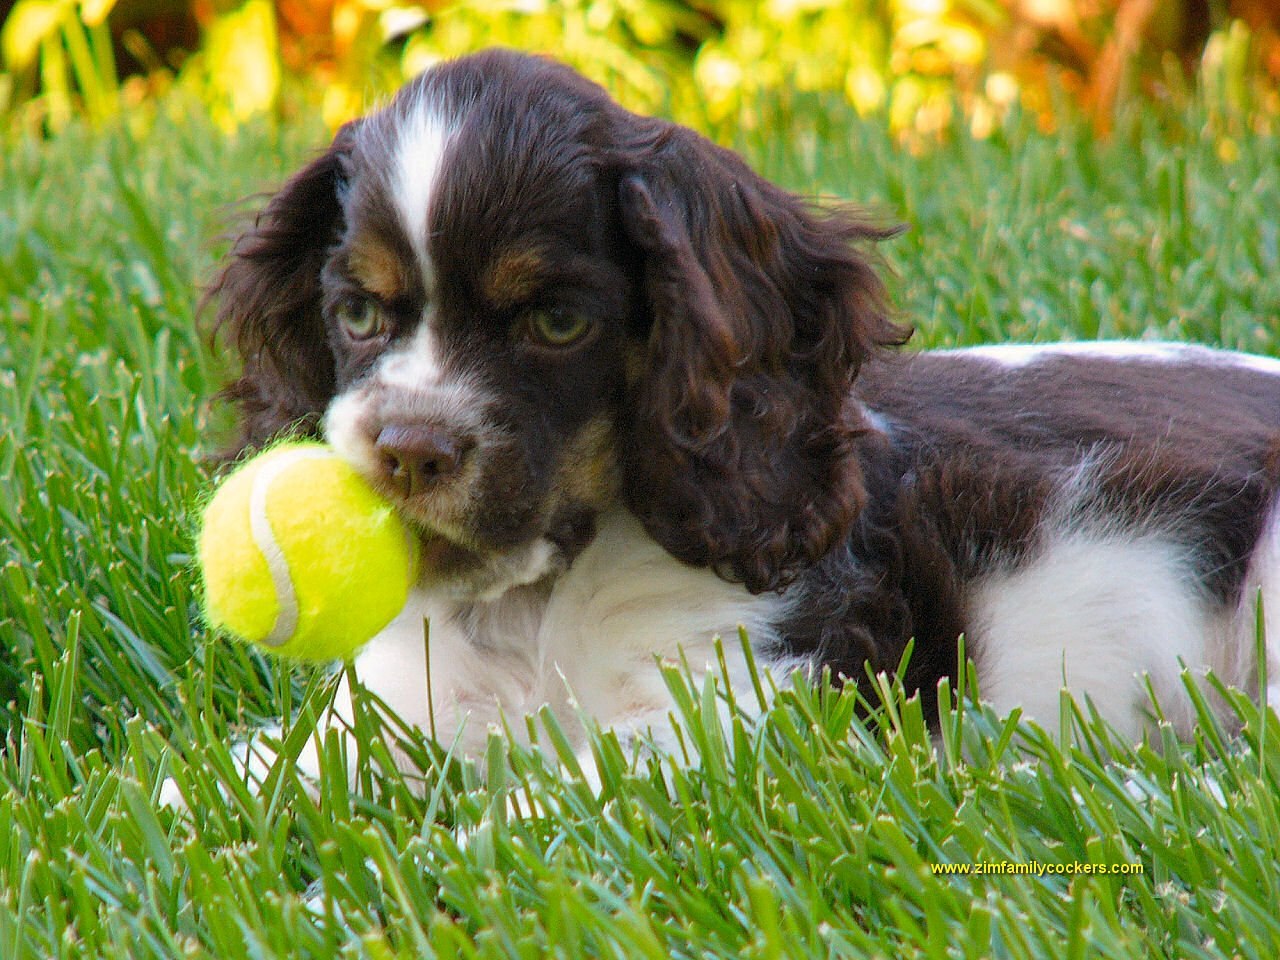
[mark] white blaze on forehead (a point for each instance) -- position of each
(422, 139)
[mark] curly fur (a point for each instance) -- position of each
(268, 297)
(763, 310)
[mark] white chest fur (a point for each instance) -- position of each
(592, 643)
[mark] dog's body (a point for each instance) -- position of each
(1089, 516)
(632, 397)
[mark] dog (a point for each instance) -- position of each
(631, 397)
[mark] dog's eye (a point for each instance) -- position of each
(558, 328)
(361, 319)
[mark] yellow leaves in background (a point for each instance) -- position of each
(70, 44)
(865, 89)
(94, 12)
(241, 63)
(719, 76)
(913, 59)
(363, 66)
(30, 25)
(923, 64)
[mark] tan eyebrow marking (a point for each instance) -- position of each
(378, 269)
(513, 276)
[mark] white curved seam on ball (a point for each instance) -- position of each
(265, 538)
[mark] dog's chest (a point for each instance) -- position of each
(595, 642)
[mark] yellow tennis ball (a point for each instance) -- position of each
(298, 553)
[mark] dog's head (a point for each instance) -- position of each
(513, 305)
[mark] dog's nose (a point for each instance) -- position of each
(416, 458)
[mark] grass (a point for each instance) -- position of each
(808, 833)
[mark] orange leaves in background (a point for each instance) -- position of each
(922, 63)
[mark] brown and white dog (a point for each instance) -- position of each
(632, 396)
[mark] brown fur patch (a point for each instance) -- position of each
(513, 276)
(635, 361)
(588, 473)
(378, 269)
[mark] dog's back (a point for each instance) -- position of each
(1083, 514)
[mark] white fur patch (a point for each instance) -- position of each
(592, 644)
(877, 421)
(1263, 580)
(1025, 354)
(423, 139)
(1095, 613)
(1269, 365)
(345, 431)
(417, 365)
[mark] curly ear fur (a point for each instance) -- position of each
(268, 303)
(741, 453)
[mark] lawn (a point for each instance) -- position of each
(809, 833)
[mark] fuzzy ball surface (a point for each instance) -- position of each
(299, 554)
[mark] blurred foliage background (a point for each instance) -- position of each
(920, 63)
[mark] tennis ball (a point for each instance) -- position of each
(298, 553)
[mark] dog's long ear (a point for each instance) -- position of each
(741, 450)
(268, 301)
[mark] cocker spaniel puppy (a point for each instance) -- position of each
(631, 396)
